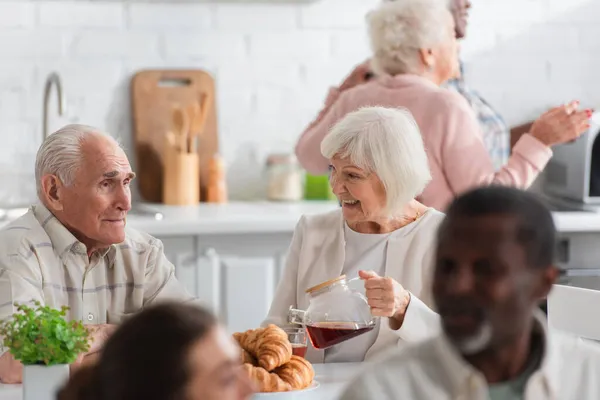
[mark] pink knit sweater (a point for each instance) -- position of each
(457, 156)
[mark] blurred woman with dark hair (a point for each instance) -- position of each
(192, 358)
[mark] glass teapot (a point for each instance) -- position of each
(335, 313)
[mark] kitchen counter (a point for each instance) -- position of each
(332, 379)
(273, 217)
(270, 217)
(227, 218)
(576, 221)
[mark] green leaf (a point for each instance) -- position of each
(41, 335)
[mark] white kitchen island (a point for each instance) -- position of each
(332, 379)
(231, 255)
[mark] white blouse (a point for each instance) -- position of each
(364, 251)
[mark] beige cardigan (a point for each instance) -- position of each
(316, 255)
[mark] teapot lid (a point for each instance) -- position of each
(325, 284)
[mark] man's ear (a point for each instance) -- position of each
(549, 276)
(52, 190)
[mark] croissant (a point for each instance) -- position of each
(266, 381)
(270, 346)
(247, 358)
(298, 373)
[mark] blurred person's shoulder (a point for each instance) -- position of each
(410, 357)
(413, 372)
(576, 351)
(573, 365)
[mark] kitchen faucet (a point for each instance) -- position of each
(53, 78)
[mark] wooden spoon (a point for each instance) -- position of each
(193, 111)
(206, 103)
(181, 127)
(199, 120)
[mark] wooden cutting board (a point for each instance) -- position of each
(154, 93)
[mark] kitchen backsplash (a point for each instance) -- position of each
(273, 65)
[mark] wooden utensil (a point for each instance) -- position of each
(199, 121)
(193, 111)
(153, 94)
(206, 103)
(171, 143)
(181, 127)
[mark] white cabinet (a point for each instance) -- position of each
(248, 287)
(235, 275)
(181, 251)
(197, 269)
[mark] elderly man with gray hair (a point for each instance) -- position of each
(378, 165)
(73, 248)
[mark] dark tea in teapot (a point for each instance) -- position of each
(326, 334)
(335, 313)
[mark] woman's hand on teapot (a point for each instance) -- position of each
(386, 297)
(561, 124)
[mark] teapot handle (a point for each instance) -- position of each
(357, 278)
(296, 316)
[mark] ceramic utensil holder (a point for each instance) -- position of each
(181, 185)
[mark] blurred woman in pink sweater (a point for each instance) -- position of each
(415, 51)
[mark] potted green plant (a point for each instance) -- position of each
(45, 343)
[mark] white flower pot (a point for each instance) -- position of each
(42, 382)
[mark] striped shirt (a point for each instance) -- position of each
(41, 260)
(496, 134)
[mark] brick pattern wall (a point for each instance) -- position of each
(273, 64)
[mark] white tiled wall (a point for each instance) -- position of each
(273, 64)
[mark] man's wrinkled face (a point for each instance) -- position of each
(95, 205)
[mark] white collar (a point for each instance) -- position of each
(462, 374)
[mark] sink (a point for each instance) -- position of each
(12, 213)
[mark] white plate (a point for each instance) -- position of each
(286, 395)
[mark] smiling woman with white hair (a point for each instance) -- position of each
(414, 51)
(381, 234)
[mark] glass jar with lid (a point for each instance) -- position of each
(284, 178)
(335, 313)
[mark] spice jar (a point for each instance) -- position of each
(284, 178)
(335, 314)
(217, 186)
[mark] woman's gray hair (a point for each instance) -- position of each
(399, 28)
(60, 154)
(388, 143)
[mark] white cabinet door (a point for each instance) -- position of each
(234, 275)
(197, 269)
(249, 286)
(249, 266)
(181, 251)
